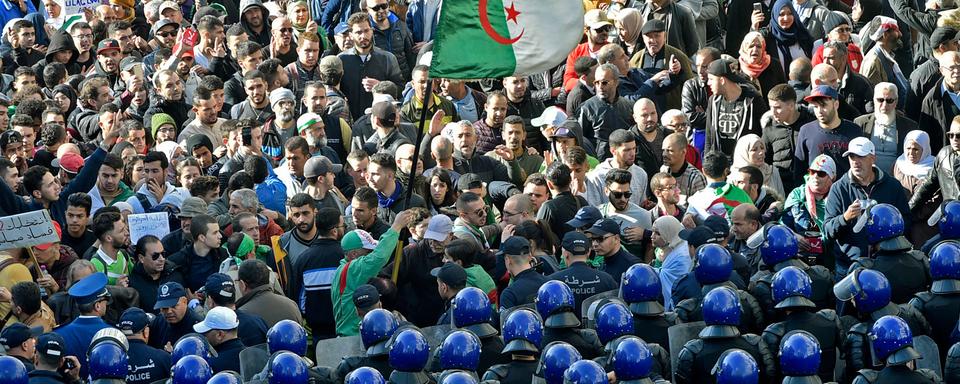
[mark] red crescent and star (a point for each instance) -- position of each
(512, 14)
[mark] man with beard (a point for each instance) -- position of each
(311, 127)
(649, 135)
(886, 127)
(657, 56)
(631, 218)
(365, 65)
(296, 153)
(879, 65)
(319, 173)
(467, 160)
(391, 34)
(490, 127)
(521, 103)
(596, 27)
(156, 189)
(108, 61)
(257, 105)
(405, 154)
(665, 190)
(282, 47)
(302, 211)
(304, 68)
(315, 101)
(468, 101)
(207, 120)
(253, 19)
(606, 112)
(111, 258)
(281, 126)
(623, 151)
(829, 134)
(169, 98)
(514, 137)
(110, 189)
(733, 111)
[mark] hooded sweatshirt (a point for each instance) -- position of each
(60, 41)
(263, 38)
(727, 122)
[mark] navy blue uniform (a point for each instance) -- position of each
(523, 289)
(146, 364)
(252, 329)
(47, 377)
(618, 263)
(162, 332)
(584, 281)
(228, 356)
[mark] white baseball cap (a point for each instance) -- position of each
(551, 116)
(860, 146)
(219, 318)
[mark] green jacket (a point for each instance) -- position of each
(125, 193)
(361, 270)
(120, 267)
(477, 277)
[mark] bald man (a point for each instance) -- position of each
(441, 150)
(649, 135)
(517, 209)
(404, 159)
(606, 111)
(689, 178)
(936, 111)
(746, 221)
(826, 74)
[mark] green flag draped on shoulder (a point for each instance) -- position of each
(478, 39)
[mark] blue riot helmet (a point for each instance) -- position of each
(522, 332)
(107, 361)
(364, 375)
(13, 371)
(947, 219)
(792, 288)
(613, 320)
(458, 378)
(714, 264)
(721, 313)
(191, 369)
(632, 359)
(225, 377)
(408, 350)
(585, 372)
(640, 288)
(892, 341)
(460, 350)
(375, 330)
(556, 304)
(868, 289)
(799, 354)
(192, 344)
(945, 266)
(735, 366)
(287, 335)
(779, 244)
(557, 356)
(884, 222)
(472, 310)
(288, 368)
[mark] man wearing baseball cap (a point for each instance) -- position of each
(733, 111)
(584, 280)
(451, 278)
(220, 291)
(220, 327)
(108, 60)
(417, 292)
(828, 134)
(20, 341)
(844, 203)
(147, 364)
(526, 280)
(51, 359)
(596, 27)
(605, 236)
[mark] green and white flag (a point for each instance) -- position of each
(478, 39)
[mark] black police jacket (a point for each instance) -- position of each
(653, 329)
(897, 374)
(761, 287)
(228, 356)
(856, 345)
(584, 340)
(584, 281)
(146, 364)
(698, 357)
(824, 325)
(514, 372)
(661, 362)
(943, 312)
(908, 272)
(349, 364)
(522, 290)
(751, 316)
(51, 377)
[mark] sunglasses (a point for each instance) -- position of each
(601, 82)
(889, 101)
(166, 34)
(621, 195)
(818, 173)
(953, 135)
(286, 30)
(379, 7)
(601, 239)
(481, 212)
(158, 255)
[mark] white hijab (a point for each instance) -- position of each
(922, 168)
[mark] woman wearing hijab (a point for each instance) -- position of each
(629, 22)
(804, 209)
(788, 39)
(672, 255)
(762, 70)
(911, 169)
(751, 150)
(298, 11)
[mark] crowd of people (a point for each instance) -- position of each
(702, 191)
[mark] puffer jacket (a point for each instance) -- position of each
(397, 40)
(781, 140)
(942, 177)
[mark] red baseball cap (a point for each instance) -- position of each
(70, 163)
(46, 246)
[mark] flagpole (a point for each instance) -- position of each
(427, 95)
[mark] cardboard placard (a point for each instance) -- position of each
(154, 223)
(26, 229)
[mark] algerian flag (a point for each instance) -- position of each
(478, 39)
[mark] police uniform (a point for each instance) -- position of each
(856, 345)
(941, 307)
(897, 374)
(687, 286)
(822, 284)
(653, 328)
(751, 318)
(661, 360)
(380, 362)
(908, 271)
(145, 363)
(584, 340)
(522, 290)
(514, 372)
(698, 357)
(824, 325)
(79, 333)
(163, 331)
(228, 356)
(49, 345)
(584, 281)
(16, 334)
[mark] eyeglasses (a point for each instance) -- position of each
(286, 30)
(158, 255)
(818, 173)
(481, 212)
(379, 7)
(84, 36)
(621, 195)
(888, 100)
(601, 239)
(601, 82)
(952, 68)
(510, 214)
(162, 34)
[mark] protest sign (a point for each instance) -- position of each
(26, 229)
(156, 223)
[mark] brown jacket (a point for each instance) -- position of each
(263, 302)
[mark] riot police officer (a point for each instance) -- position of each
(614, 321)
(941, 304)
(721, 313)
(192, 344)
(869, 291)
(147, 364)
(714, 264)
(107, 357)
(557, 356)
(376, 329)
(365, 375)
(641, 290)
(736, 366)
(893, 347)
(287, 368)
(779, 249)
(12, 370)
(800, 358)
(585, 372)
(632, 362)
(791, 295)
(891, 254)
(458, 377)
(947, 220)
(459, 352)
(555, 303)
(225, 377)
(472, 311)
(522, 333)
(288, 335)
(191, 370)
(409, 352)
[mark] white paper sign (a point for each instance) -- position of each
(76, 6)
(26, 229)
(156, 223)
